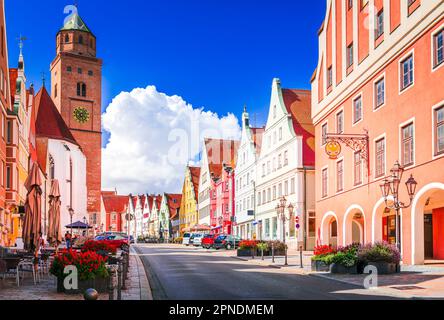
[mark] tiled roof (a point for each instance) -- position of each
(195, 177)
(115, 203)
(173, 202)
(75, 23)
(49, 122)
(220, 152)
(298, 104)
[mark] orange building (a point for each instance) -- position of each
(6, 227)
(379, 77)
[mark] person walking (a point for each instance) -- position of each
(68, 239)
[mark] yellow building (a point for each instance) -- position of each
(189, 214)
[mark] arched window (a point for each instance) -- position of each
(51, 168)
(81, 89)
(67, 38)
(81, 39)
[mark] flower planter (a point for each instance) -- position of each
(384, 267)
(319, 266)
(340, 269)
(268, 253)
(99, 284)
(245, 252)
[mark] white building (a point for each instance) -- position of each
(60, 157)
(286, 168)
(248, 153)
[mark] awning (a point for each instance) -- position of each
(78, 225)
(216, 228)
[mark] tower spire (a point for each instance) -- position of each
(21, 40)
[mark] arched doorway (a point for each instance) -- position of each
(329, 229)
(354, 226)
(428, 224)
(384, 222)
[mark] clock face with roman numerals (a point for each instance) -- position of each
(81, 115)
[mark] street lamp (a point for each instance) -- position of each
(85, 222)
(71, 214)
(280, 209)
(390, 187)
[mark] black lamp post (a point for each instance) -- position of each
(280, 209)
(71, 215)
(85, 222)
(390, 187)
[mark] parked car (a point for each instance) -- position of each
(208, 241)
(186, 239)
(197, 240)
(227, 242)
(118, 240)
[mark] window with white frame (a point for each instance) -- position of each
(407, 72)
(325, 183)
(408, 145)
(379, 93)
(340, 176)
(340, 122)
(380, 158)
(357, 109)
(358, 168)
(439, 131)
(379, 24)
(438, 50)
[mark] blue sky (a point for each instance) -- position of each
(216, 54)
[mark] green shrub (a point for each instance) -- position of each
(262, 246)
(346, 259)
(327, 258)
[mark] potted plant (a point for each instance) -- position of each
(91, 270)
(322, 258)
(262, 247)
(345, 260)
(385, 257)
(247, 248)
(278, 246)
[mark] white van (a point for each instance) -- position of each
(186, 239)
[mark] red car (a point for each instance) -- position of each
(208, 241)
(117, 241)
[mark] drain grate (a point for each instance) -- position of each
(407, 288)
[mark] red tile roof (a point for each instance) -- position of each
(195, 178)
(220, 152)
(134, 199)
(49, 122)
(115, 203)
(173, 202)
(298, 104)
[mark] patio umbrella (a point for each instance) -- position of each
(54, 227)
(32, 226)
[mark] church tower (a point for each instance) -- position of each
(76, 89)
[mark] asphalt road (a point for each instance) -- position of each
(180, 273)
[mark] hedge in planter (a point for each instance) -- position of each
(323, 258)
(385, 257)
(91, 268)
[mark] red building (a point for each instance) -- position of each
(115, 208)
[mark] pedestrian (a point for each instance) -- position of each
(68, 239)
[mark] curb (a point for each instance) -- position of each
(144, 285)
(269, 265)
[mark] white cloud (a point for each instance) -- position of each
(152, 138)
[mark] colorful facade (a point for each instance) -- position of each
(189, 214)
(380, 73)
(115, 207)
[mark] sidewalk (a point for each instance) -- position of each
(137, 284)
(415, 282)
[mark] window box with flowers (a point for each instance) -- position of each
(91, 269)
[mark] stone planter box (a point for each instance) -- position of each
(99, 284)
(384, 267)
(340, 269)
(268, 253)
(319, 266)
(245, 252)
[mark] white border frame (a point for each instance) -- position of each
(400, 61)
(341, 109)
(401, 126)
